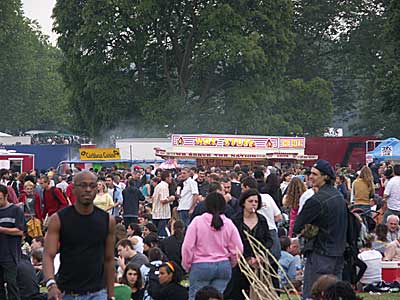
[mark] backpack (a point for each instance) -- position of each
(53, 191)
(152, 283)
(353, 235)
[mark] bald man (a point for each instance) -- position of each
(85, 234)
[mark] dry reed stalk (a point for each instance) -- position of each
(261, 287)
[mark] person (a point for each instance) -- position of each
(12, 226)
(150, 272)
(340, 290)
(169, 279)
(392, 224)
(53, 199)
(188, 196)
(161, 210)
(115, 193)
(236, 187)
(130, 205)
(363, 190)
(341, 185)
(134, 233)
(202, 184)
(128, 254)
(286, 178)
(27, 280)
(319, 287)
(84, 235)
(208, 293)
(326, 211)
(272, 187)
(392, 251)
(372, 258)
(62, 185)
(31, 200)
(391, 195)
(255, 224)
(172, 245)
(287, 261)
(132, 277)
(149, 228)
(103, 199)
(210, 247)
(295, 189)
(381, 241)
(232, 201)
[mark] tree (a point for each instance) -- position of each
(32, 91)
(175, 63)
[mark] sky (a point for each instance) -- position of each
(41, 10)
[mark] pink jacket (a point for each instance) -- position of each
(203, 243)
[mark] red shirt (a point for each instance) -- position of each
(70, 194)
(51, 204)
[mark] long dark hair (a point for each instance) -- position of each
(139, 282)
(215, 205)
(179, 229)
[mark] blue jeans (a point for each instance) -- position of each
(276, 246)
(184, 216)
(161, 224)
(216, 274)
(99, 295)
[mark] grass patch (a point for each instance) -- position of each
(366, 296)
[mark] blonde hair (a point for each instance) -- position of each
(105, 189)
(295, 189)
(366, 176)
(29, 183)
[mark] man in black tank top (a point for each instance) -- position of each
(84, 235)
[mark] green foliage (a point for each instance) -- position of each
(31, 88)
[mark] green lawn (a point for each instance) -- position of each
(366, 296)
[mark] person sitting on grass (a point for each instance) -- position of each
(169, 278)
(132, 277)
(208, 293)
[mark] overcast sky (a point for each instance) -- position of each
(41, 10)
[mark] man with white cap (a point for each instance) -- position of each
(326, 211)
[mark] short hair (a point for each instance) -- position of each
(249, 181)
(249, 193)
(340, 290)
(136, 229)
(214, 187)
(125, 242)
(151, 240)
(131, 182)
(259, 174)
(215, 177)
(3, 190)
(207, 292)
(381, 231)
(154, 254)
(29, 184)
(285, 242)
(44, 178)
(225, 179)
(165, 175)
(151, 227)
(39, 239)
(396, 169)
(233, 175)
(37, 254)
(395, 217)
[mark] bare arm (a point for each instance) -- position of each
(109, 258)
(278, 218)
(50, 250)
(11, 231)
(195, 199)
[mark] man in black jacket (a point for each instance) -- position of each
(131, 197)
(326, 211)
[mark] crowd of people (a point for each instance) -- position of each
(150, 233)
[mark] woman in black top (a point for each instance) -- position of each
(169, 279)
(257, 226)
(133, 278)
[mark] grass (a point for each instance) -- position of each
(366, 296)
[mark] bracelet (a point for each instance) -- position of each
(50, 282)
(51, 285)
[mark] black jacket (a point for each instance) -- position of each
(260, 232)
(328, 211)
(131, 196)
(172, 291)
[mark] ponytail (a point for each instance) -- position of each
(217, 222)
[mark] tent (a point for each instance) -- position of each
(388, 149)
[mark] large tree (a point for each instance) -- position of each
(31, 89)
(172, 63)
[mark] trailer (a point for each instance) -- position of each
(17, 162)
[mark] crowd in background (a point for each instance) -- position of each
(189, 225)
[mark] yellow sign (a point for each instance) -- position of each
(99, 153)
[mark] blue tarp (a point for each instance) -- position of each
(381, 152)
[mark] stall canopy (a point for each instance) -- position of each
(388, 149)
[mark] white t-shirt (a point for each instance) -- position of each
(393, 191)
(372, 259)
(189, 189)
(62, 185)
(269, 210)
(303, 198)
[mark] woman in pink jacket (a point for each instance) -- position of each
(210, 248)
